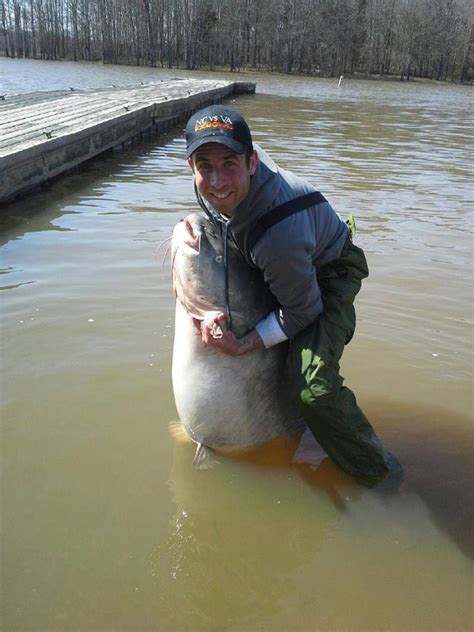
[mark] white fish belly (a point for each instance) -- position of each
(230, 402)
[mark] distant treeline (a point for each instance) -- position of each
(422, 38)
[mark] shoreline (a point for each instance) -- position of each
(357, 76)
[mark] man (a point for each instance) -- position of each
(285, 228)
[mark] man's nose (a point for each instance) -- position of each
(216, 178)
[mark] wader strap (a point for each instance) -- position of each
(226, 275)
(281, 212)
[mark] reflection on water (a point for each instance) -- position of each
(271, 532)
(255, 561)
(105, 523)
(437, 453)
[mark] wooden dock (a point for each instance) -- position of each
(44, 134)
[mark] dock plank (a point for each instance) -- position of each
(44, 134)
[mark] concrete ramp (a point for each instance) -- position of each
(44, 134)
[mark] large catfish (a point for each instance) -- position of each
(224, 403)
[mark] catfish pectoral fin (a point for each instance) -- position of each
(204, 459)
(179, 432)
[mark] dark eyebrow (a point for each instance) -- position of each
(199, 157)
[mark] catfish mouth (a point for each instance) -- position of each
(191, 238)
(195, 269)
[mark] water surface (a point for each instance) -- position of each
(105, 524)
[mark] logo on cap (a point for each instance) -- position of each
(213, 122)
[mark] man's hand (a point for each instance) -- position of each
(214, 333)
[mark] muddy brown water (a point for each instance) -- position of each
(105, 525)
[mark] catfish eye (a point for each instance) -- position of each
(218, 259)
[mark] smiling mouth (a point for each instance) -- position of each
(221, 196)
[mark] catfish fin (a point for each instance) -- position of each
(204, 459)
(179, 432)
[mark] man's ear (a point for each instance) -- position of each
(191, 163)
(253, 162)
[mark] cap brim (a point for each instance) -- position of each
(232, 144)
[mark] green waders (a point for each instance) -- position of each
(329, 408)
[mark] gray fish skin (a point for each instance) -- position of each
(222, 401)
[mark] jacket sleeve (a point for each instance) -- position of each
(288, 269)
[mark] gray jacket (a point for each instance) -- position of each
(288, 252)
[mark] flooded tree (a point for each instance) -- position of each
(416, 38)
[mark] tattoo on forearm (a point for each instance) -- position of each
(249, 342)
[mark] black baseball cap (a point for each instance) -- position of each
(218, 124)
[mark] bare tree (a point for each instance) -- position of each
(405, 38)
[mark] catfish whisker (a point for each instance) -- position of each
(167, 243)
(162, 243)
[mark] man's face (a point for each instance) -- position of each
(222, 176)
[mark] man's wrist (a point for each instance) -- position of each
(249, 342)
(270, 331)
